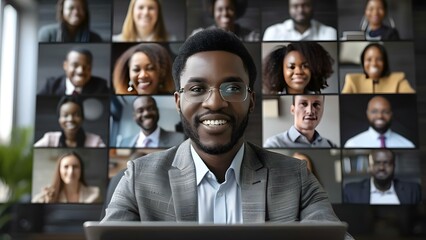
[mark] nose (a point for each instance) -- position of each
(310, 109)
(299, 70)
(80, 69)
(214, 100)
(143, 74)
(69, 117)
(145, 10)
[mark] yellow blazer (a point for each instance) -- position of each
(394, 83)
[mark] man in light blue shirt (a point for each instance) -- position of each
(379, 134)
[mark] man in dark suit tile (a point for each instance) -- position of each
(78, 77)
(382, 187)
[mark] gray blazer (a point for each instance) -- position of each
(162, 187)
(167, 139)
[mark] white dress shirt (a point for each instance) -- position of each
(387, 197)
(154, 139)
(286, 31)
(371, 139)
(219, 202)
(70, 88)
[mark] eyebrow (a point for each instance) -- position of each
(203, 80)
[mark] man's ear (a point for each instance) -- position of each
(292, 109)
(65, 65)
(252, 101)
(177, 101)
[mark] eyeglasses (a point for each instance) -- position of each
(229, 91)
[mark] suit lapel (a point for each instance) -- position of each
(183, 184)
(60, 90)
(253, 187)
(366, 191)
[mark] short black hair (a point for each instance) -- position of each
(382, 50)
(84, 51)
(213, 40)
(240, 7)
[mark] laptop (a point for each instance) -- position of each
(353, 35)
(94, 230)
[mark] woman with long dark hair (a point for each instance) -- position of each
(73, 24)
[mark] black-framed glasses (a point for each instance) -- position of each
(229, 91)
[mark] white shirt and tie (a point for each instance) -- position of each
(219, 202)
(70, 89)
(372, 139)
(150, 141)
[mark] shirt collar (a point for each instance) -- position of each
(373, 188)
(69, 87)
(376, 135)
(296, 135)
(154, 136)
(289, 26)
(201, 169)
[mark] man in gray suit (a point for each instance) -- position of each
(216, 176)
(146, 116)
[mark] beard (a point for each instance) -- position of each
(383, 182)
(306, 21)
(382, 129)
(237, 133)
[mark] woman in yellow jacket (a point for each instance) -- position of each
(377, 77)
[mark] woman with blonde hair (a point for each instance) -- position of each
(144, 69)
(143, 22)
(68, 184)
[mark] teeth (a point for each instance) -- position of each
(214, 122)
(70, 126)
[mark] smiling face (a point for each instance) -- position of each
(296, 72)
(145, 114)
(145, 14)
(375, 13)
(70, 118)
(379, 114)
(144, 74)
(70, 169)
(78, 68)
(307, 111)
(73, 12)
(224, 14)
(373, 62)
(215, 126)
